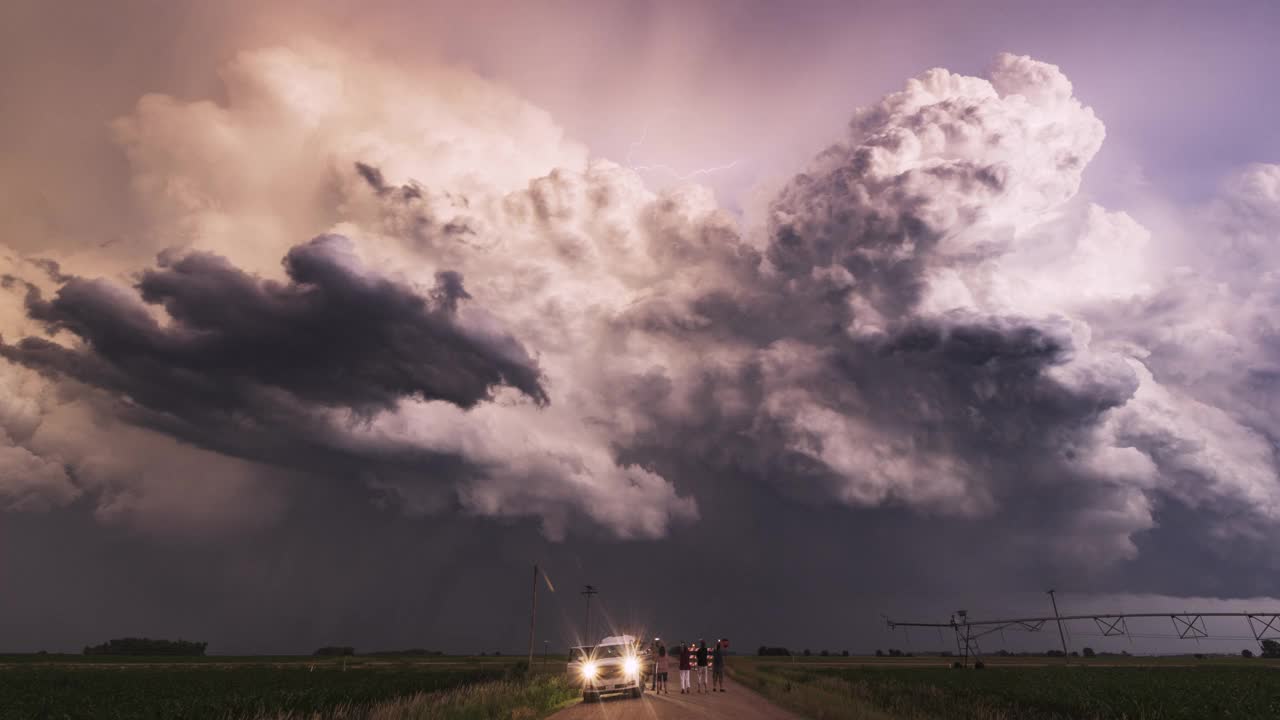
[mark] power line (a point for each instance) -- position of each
(588, 591)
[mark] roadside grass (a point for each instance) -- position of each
(524, 699)
(349, 661)
(1158, 692)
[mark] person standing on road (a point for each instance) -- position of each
(702, 666)
(717, 667)
(660, 674)
(684, 668)
(653, 660)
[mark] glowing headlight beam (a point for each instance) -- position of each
(590, 670)
(631, 666)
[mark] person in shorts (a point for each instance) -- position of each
(660, 674)
(717, 667)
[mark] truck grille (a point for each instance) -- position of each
(610, 672)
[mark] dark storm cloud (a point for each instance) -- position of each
(873, 372)
(969, 409)
(280, 373)
(935, 456)
(373, 176)
(335, 335)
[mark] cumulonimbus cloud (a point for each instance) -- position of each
(929, 318)
(336, 335)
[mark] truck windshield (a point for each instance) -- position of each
(579, 654)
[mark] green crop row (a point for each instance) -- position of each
(1030, 693)
(196, 692)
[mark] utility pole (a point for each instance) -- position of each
(1061, 635)
(533, 613)
(588, 591)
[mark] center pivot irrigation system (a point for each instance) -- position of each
(1188, 625)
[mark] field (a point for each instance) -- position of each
(1030, 689)
(79, 688)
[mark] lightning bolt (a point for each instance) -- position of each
(660, 167)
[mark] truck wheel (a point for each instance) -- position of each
(590, 697)
(637, 692)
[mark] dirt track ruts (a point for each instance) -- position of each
(737, 702)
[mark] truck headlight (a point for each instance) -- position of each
(631, 666)
(589, 670)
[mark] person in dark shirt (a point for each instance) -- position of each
(684, 659)
(702, 666)
(717, 667)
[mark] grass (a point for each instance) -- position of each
(1162, 691)
(524, 699)
(373, 688)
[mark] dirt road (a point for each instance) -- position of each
(738, 703)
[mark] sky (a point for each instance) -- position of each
(322, 326)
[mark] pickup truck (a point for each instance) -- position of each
(617, 665)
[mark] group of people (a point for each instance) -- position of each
(690, 659)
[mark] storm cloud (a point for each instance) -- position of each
(893, 334)
(334, 335)
(927, 327)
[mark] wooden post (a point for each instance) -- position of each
(533, 613)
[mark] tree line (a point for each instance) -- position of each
(147, 646)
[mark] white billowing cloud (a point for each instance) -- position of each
(549, 248)
(530, 461)
(31, 482)
(931, 318)
(56, 450)
(871, 464)
(28, 480)
(949, 204)
(1202, 453)
(251, 177)
(1248, 215)
(947, 171)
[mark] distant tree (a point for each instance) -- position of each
(807, 653)
(1246, 653)
(1271, 648)
(879, 652)
(1075, 654)
(945, 653)
(844, 653)
(1088, 652)
(776, 651)
(335, 650)
(760, 652)
(497, 653)
(895, 652)
(824, 653)
(147, 646)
